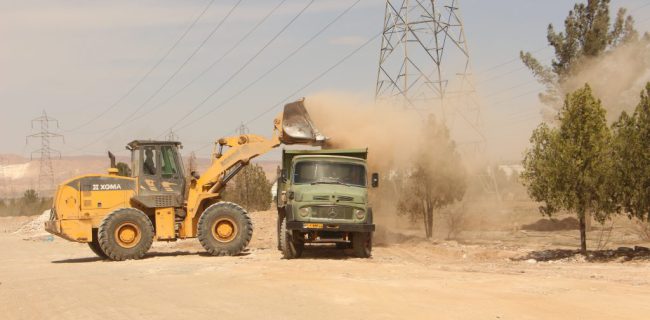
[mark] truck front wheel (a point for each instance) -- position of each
(291, 248)
(362, 244)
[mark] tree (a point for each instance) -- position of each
(250, 189)
(436, 178)
(123, 169)
(30, 197)
(631, 157)
(587, 34)
(567, 168)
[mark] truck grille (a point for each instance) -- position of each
(344, 198)
(332, 212)
(321, 198)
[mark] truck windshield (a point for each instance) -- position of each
(325, 172)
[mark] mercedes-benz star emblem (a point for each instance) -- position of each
(332, 213)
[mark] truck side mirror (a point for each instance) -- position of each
(375, 180)
(283, 176)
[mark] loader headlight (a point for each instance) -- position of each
(359, 214)
(304, 211)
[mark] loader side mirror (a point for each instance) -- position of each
(374, 181)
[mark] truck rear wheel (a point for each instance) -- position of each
(225, 229)
(125, 234)
(362, 244)
(94, 246)
(291, 248)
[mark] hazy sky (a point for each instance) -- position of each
(74, 59)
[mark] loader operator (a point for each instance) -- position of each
(149, 165)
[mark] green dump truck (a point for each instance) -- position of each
(322, 197)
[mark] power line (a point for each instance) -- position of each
(146, 75)
(232, 76)
(505, 63)
(264, 75)
(309, 83)
(517, 96)
(215, 62)
(178, 70)
(196, 50)
(510, 88)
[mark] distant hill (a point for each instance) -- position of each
(18, 173)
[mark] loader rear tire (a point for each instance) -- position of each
(291, 248)
(94, 246)
(125, 234)
(225, 229)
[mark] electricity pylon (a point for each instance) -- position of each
(424, 64)
(46, 170)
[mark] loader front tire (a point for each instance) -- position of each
(125, 234)
(225, 229)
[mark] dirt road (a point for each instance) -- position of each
(42, 279)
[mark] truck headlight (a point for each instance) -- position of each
(304, 211)
(359, 213)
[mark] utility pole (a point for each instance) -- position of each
(424, 64)
(171, 136)
(46, 170)
(243, 129)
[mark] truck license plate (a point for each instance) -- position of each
(313, 226)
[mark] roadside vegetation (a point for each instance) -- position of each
(577, 162)
(250, 189)
(30, 204)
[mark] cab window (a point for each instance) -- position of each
(169, 168)
(149, 165)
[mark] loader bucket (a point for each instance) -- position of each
(297, 127)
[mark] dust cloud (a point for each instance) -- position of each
(617, 77)
(348, 121)
(394, 140)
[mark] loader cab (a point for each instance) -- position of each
(158, 168)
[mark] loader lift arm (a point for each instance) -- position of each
(292, 126)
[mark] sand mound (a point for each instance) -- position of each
(34, 227)
(569, 223)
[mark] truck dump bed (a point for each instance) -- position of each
(287, 155)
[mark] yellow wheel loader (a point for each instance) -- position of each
(119, 217)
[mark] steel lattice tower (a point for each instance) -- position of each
(171, 136)
(424, 64)
(46, 171)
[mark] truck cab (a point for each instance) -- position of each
(323, 198)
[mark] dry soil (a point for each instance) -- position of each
(49, 278)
